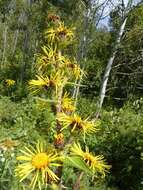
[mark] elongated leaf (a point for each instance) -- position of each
(77, 162)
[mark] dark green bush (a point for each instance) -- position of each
(121, 142)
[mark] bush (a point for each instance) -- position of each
(121, 142)
(20, 122)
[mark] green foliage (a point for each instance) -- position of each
(24, 120)
(97, 56)
(7, 162)
(78, 163)
(120, 139)
(121, 143)
(126, 77)
(123, 135)
(22, 24)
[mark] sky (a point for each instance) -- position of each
(109, 7)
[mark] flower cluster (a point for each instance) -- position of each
(54, 71)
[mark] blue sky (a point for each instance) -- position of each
(109, 7)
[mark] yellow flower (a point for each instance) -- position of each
(55, 80)
(77, 123)
(36, 85)
(59, 139)
(37, 164)
(59, 33)
(71, 66)
(67, 103)
(96, 163)
(77, 71)
(49, 57)
(64, 32)
(9, 82)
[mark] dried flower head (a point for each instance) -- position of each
(53, 17)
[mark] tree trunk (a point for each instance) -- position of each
(109, 65)
(4, 45)
(15, 39)
(128, 8)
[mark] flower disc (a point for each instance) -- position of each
(40, 160)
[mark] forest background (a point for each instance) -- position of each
(109, 47)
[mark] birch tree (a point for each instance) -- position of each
(107, 72)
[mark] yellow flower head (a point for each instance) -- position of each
(67, 103)
(77, 123)
(48, 57)
(40, 82)
(59, 139)
(38, 164)
(96, 163)
(63, 32)
(59, 33)
(71, 67)
(77, 71)
(55, 80)
(9, 82)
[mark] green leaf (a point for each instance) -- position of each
(77, 162)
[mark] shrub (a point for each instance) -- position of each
(121, 142)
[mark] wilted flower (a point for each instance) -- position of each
(8, 144)
(59, 139)
(53, 17)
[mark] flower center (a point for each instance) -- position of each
(78, 123)
(51, 83)
(88, 158)
(62, 33)
(40, 160)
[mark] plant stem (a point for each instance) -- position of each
(77, 184)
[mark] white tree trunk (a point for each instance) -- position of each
(15, 39)
(4, 44)
(109, 65)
